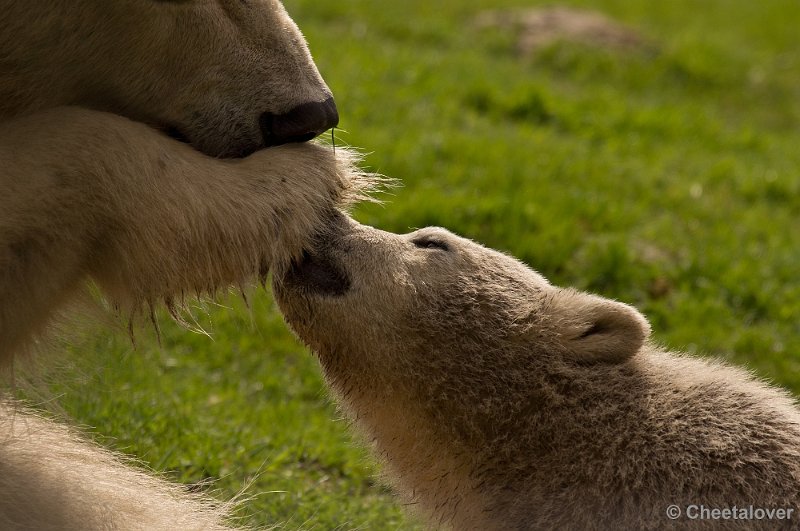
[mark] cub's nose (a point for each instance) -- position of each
(319, 274)
(302, 123)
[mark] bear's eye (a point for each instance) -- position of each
(430, 243)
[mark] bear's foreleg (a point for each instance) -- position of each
(85, 194)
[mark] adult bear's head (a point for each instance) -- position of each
(228, 76)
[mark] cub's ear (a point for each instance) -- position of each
(592, 329)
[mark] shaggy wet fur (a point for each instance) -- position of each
(499, 401)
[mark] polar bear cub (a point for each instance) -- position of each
(499, 401)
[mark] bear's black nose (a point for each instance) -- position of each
(319, 275)
(301, 124)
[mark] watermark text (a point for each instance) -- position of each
(747, 512)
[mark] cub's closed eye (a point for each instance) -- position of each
(430, 243)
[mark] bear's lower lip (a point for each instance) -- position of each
(235, 151)
(318, 275)
(176, 134)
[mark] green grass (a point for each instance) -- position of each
(669, 179)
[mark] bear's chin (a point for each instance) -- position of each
(317, 275)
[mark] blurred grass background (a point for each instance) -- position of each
(666, 176)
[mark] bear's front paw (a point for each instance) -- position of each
(313, 173)
(305, 184)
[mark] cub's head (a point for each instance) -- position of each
(447, 355)
(228, 76)
(381, 302)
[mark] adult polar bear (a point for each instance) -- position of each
(90, 194)
(96, 191)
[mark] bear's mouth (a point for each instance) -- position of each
(176, 134)
(317, 274)
(238, 151)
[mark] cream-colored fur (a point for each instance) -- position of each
(90, 195)
(498, 401)
(91, 191)
(52, 480)
(206, 68)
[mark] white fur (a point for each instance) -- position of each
(51, 479)
(88, 195)
(498, 401)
